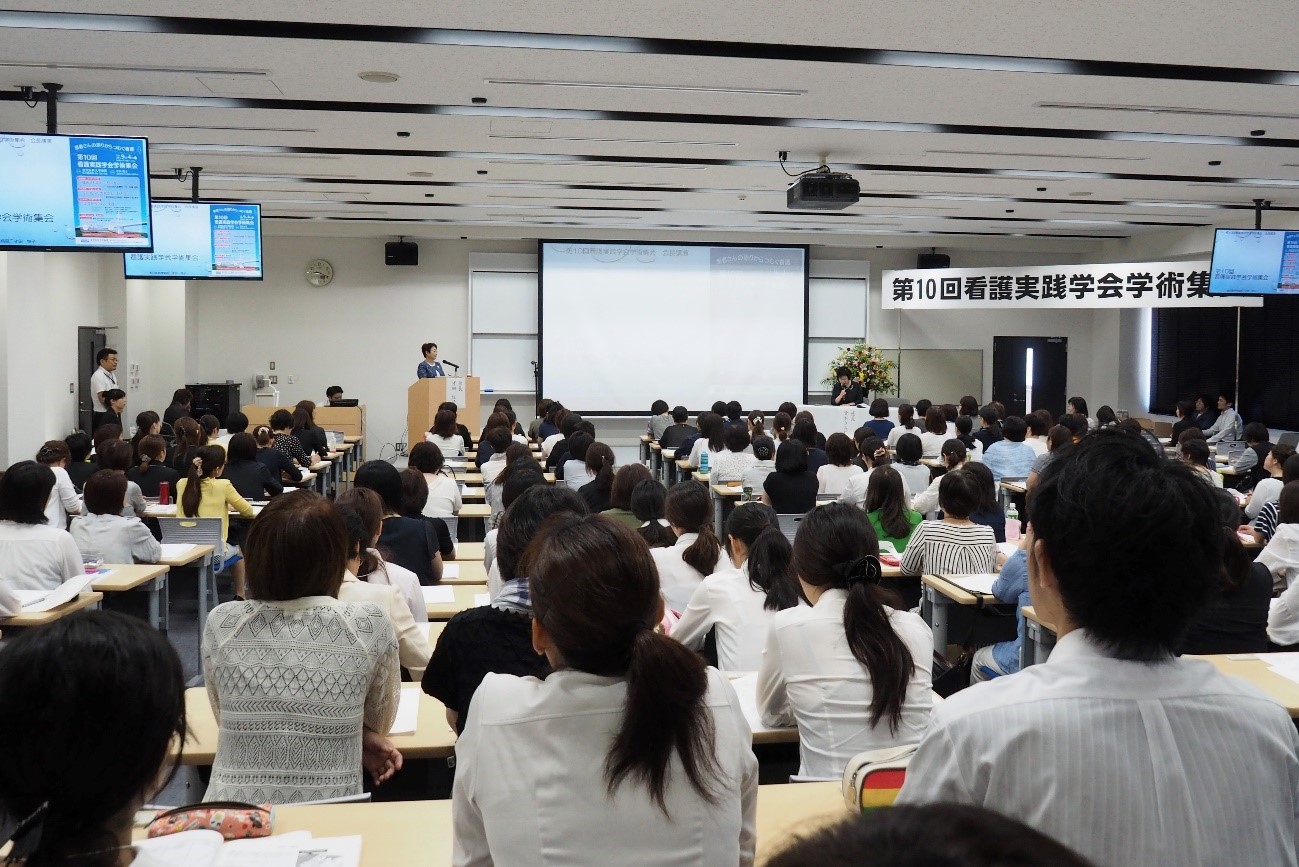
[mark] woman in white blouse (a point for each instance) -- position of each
(574, 472)
(850, 670)
(290, 731)
(63, 499)
(739, 604)
(631, 749)
(443, 434)
(953, 456)
(33, 555)
(698, 551)
(935, 433)
(833, 478)
(873, 454)
(444, 496)
(736, 459)
(712, 439)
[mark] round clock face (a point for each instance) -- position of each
(319, 272)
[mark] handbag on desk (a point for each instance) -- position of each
(233, 820)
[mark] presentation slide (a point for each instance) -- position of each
(74, 193)
(201, 241)
(625, 324)
(1254, 262)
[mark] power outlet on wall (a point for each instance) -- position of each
(275, 380)
(272, 365)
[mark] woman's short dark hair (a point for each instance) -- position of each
(366, 505)
(595, 590)
(964, 425)
(1058, 436)
(712, 428)
(954, 452)
(791, 457)
(578, 443)
(1186, 408)
(689, 507)
(499, 438)
(835, 547)
(659, 407)
(107, 432)
(210, 424)
(526, 515)
(1014, 429)
(736, 436)
(1281, 453)
(935, 421)
(910, 450)
(804, 430)
(1196, 451)
(53, 451)
(297, 547)
(382, 478)
(1079, 406)
(934, 835)
(93, 703)
(957, 495)
(922, 406)
(1257, 432)
(516, 483)
(182, 396)
(842, 371)
(444, 423)
(24, 489)
(764, 448)
(840, 449)
(985, 487)
(414, 492)
(1106, 415)
(969, 405)
(114, 455)
(624, 482)
(426, 457)
(879, 408)
(1288, 504)
(105, 492)
(770, 556)
(1037, 424)
(79, 445)
(242, 447)
(886, 495)
(281, 419)
(788, 408)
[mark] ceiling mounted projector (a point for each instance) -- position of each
(823, 191)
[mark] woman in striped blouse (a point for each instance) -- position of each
(955, 545)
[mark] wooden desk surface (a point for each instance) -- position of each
(1014, 487)
(433, 737)
(469, 571)
(420, 832)
(467, 551)
(198, 552)
(727, 490)
(957, 594)
(127, 577)
(474, 510)
(353, 439)
(83, 600)
(1247, 666)
(464, 599)
(1030, 614)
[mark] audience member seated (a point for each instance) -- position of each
(872, 453)
(33, 555)
(147, 423)
(697, 552)
(1124, 550)
(495, 442)
(1265, 524)
(489, 446)
(290, 732)
(117, 455)
(805, 432)
(1011, 587)
(443, 434)
(660, 420)
(1078, 406)
(409, 542)
(518, 459)
(886, 508)
(312, 437)
(1281, 555)
(104, 533)
(676, 433)
(414, 497)
(791, 489)
(1059, 438)
(63, 499)
(648, 504)
(879, 423)
(236, 423)
(1206, 411)
(463, 431)
(712, 439)
(1258, 444)
(834, 476)
(763, 448)
(639, 730)
(151, 469)
(181, 400)
(375, 569)
(987, 509)
(910, 451)
(782, 426)
(599, 465)
(989, 430)
(935, 433)
(1106, 417)
(624, 482)
(955, 545)
(736, 459)
(954, 456)
(1235, 620)
(937, 835)
(1269, 487)
(573, 471)
(284, 440)
(497, 638)
(1186, 418)
(1195, 454)
(552, 429)
(276, 460)
(79, 468)
(211, 427)
(756, 424)
(249, 476)
(738, 604)
(204, 494)
(1039, 424)
(906, 424)
(1228, 426)
(94, 704)
(849, 669)
(189, 437)
(362, 534)
(543, 409)
(444, 496)
(1010, 457)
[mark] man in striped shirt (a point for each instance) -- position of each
(1115, 747)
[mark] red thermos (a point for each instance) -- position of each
(164, 493)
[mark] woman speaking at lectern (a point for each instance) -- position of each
(430, 366)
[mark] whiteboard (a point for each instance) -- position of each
(819, 354)
(504, 363)
(942, 375)
(503, 302)
(836, 307)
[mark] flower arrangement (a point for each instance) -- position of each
(867, 365)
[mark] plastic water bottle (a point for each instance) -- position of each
(1012, 523)
(703, 463)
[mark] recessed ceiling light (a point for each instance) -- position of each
(1010, 210)
(1215, 162)
(1080, 193)
(378, 77)
(482, 171)
(686, 88)
(420, 174)
(403, 134)
(479, 100)
(1041, 189)
(1257, 132)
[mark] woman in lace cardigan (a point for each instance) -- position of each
(303, 686)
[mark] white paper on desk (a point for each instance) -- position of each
(157, 511)
(439, 595)
(450, 570)
(973, 583)
(746, 688)
(482, 599)
(407, 712)
(331, 852)
(65, 592)
(1008, 548)
(176, 551)
(274, 851)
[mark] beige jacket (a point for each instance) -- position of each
(412, 640)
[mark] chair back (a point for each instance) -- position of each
(1289, 438)
(789, 525)
(872, 779)
(191, 531)
(453, 526)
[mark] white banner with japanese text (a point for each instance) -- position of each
(1104, 286)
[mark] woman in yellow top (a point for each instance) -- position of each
(204, 494)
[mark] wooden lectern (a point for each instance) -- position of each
(425, 395)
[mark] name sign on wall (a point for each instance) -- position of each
(1043, 287)
(456, 390)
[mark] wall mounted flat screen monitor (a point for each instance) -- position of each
(1254, 262)
(201, 241)
(74, 192)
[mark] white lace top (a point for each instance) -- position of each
(291, 684)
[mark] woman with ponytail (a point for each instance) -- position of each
(150, 469)
(204, 494)
(631, 745)
(740, 603)
(954, 455)
(188, 436)
(146, 423)
(757, 424)
(781, 426)
(697, 553)
(851, 670)
(599, 465)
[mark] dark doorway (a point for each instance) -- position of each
(1010, 360)
(89, 341)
